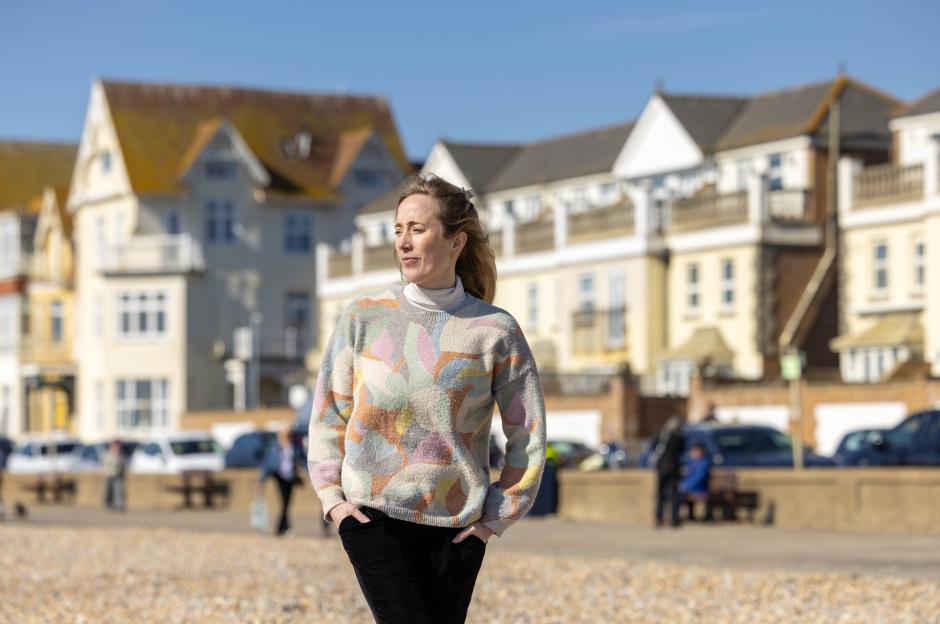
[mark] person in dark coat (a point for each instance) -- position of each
(283, 463)
(667, 453)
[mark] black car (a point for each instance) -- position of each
(741, 446)
(915, 441)
(855, 447)
(249, 449)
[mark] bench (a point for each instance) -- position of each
(200, 482)
(61, 489)
(725, 496)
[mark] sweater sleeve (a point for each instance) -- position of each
(332, 407)
(518, 394)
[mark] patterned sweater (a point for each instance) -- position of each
(403, 408)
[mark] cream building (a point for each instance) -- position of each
(890, 219)
(36, 374)
(197, 211)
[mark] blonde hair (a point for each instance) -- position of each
(476, 264)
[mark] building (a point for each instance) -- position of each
(36, 372)
(196, 213)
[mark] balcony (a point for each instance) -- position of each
(887, 184)
(274, 344)
(604, 222)
(379, 258)
(791, 206)
(178, 253)
(708, 210)
(339, 264)
(535, 236)
(599, 332)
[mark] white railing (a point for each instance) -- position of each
(790, 205)
(178, 253)
(886, 184)
(708, 210)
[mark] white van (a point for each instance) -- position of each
(174, 453)
(43, 456)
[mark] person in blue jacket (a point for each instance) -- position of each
(694, 485)
(284, 464)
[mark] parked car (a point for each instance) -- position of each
(248, 449)
(43, 456)
(568, 453)
(90, 457)
(6, 447)
(915, 441)
(175, 452)
(741, 446)
(855, 446)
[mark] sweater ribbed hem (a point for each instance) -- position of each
(410, 515)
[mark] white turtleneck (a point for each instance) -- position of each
(437, 299)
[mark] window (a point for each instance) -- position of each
(57, 320)
(920, 266)
(142, 404)
(533, 304)
(141, 314)
(617, 314)
(727, 284)
(220, 222)
(508, 207)
(774, 172)
(104, 160)
(586, 294)
(532, 207)
(297, 233)
(880, 266)
(99, 405)
(8, 315)
(98, 316)
(692, 293)
(607, 191)
(221, 170)
(369, 178)
(101, 240)
(297, 323)
(174, 224)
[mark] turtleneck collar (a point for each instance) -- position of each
(435, 300)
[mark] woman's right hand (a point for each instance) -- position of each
(344, 509)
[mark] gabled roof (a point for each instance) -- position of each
(480, 162)
(386, 202)
(802, 110)
(27, 168)
(350, 144)
(158, 124)
(705, 344)
(570, 156)
(705, 118)
(929, 103)
(895, 329)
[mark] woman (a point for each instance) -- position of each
(280, 462)
(400, 427)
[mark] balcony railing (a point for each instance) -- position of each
(378, 258)
(339, 264)
(535, 236)
(599, 332)
(178, 253)
(889, 183)
(708, 210)
(790, 206)
(606, 222)
(287, 343)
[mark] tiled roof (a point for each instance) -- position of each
(480, 162)
(929, 103)
(157, 125)
(27, 168)
(705, 118)
(561, 158)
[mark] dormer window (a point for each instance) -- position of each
(221, 170)
(298, 147)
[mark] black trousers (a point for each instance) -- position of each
(412, 573)
(667, 493)
(286, 488)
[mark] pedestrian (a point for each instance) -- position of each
(400, 427)
(694, 485)
(283, 463)
(667, 454)
(710, 416)
(115, 475)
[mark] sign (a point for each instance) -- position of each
(791, 366)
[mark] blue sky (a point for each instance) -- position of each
(488, 71)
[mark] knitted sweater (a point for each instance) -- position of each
(403, 407)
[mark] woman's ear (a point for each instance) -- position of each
(460, 239)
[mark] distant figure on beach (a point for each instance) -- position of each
(400, 427)
(115, 476)
(667, 455)
(284, 465)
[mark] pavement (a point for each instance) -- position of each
(715, 545)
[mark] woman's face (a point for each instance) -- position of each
(427, 258)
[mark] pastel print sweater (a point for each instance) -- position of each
(403, 408)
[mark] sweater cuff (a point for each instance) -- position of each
(330, 497)
(496, 525)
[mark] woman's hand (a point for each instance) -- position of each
(344, 509)
(477, 528)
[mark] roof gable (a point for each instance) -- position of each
(705, 118)
(658, 143)
(213, 133)
(27, 168)
(927, 104)
(295, 136)
(479, 163)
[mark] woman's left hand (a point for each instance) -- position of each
(477, 528)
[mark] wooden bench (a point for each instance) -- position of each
(60, 488)
(725, 496)
(200, 482)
